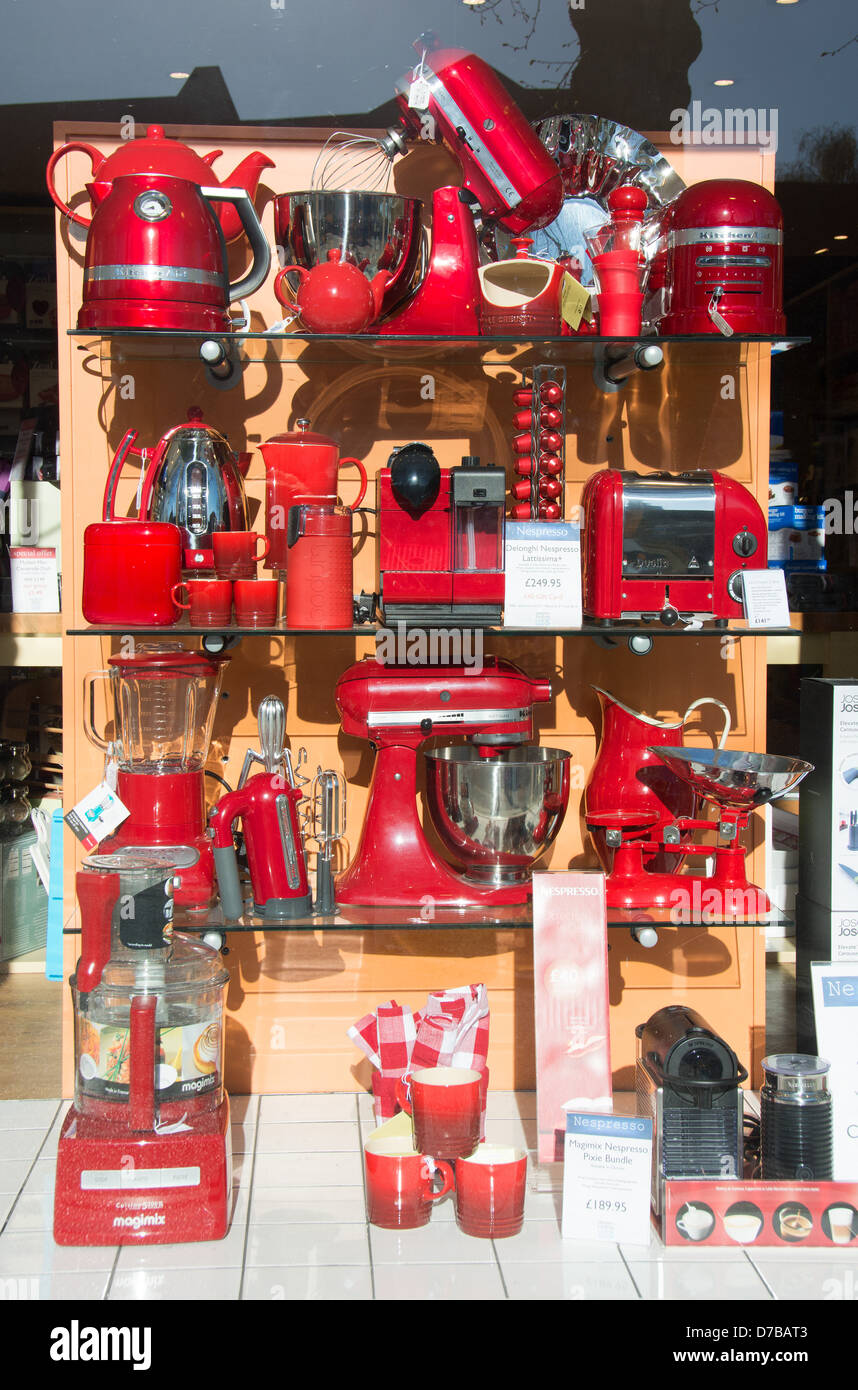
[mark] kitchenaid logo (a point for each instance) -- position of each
(137, 1223)
(433, 646)
(699, 125)
(76, 1343)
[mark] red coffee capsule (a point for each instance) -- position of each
(523, 396)
(549, 511)
(550, 393)
(523, 419)
(550, 464)
(550, 418)
(521, 443)
(524, 467)
(550, 443)
(521, 490)
(521, 511)
(550, 489)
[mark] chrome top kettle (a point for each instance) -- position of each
(194, 480)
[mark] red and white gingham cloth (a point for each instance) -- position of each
(451, 1031)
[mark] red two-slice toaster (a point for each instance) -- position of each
(670, 547)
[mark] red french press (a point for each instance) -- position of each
(300, 466)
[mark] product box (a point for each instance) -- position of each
(828, 805)
(570, 982)
(783, 479)
(822, 934)
(754, 1214)
(796, 538)
(41, 303)
(23, 899)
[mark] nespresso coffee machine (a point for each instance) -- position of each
(441, 539)
(687, 1081)
(668, 547)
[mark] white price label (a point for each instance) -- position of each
(765, 598)
(542, 561)
(607, 1177)
(419, 94)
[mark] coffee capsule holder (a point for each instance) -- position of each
(545, 464)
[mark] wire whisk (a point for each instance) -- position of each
(349, 160)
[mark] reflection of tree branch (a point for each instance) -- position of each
(833, 52)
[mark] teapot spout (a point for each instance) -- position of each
(378, 284)
(246, 175)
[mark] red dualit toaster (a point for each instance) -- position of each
(724, 260)
(668, 546)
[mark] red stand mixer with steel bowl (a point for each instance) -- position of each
(144, 1153)
(453, 98)
(164, 702)
(155, 249)
(495, 803)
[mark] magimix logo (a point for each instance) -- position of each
(76, 1343)
(136, 1222)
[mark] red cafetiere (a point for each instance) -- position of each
(300, 467)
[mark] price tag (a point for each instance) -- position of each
(764, 598)
(542, 561)
(575, 302)
(607, 1177)
(419, 94)
(35, 581)
(96, 816)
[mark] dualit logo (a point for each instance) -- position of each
(76, 1343)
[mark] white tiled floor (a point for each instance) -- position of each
(299, 1229)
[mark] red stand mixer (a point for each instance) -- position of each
(164, 702)
(495, 804)
(144, 1154)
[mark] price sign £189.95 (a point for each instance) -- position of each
(607, 1173)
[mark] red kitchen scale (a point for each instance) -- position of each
(144, 1154)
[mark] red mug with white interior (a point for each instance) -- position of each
(400, 1184)
(236, 553)
(445, 1108)
(209, 601)
(490, 1186)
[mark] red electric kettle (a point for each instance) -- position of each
(152, 155)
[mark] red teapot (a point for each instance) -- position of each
(334, 297)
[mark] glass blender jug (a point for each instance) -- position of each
(143, 1153)
(164, 703)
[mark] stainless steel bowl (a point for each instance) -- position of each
(726, 777)
(497, 816)
(374, 231)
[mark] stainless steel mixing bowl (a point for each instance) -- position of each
(497, 816)
(374, 231)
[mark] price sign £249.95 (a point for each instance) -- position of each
(542, 561)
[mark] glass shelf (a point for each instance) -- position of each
(134, 344)
(619, 630)
(445, 919)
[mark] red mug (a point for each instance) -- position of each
(256, 602)
(209, 601)
(490, 1187)
(445, 1107)
(236, 555)
(399, 1184)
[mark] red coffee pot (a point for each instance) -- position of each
(154, 155)
(334, 297)
(300, 467)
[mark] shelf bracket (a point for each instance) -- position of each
(613, 363)
(224, 367)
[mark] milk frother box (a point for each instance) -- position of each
(827, 899)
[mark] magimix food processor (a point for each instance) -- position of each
(144, 1152)
(164, 701)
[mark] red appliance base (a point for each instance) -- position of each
(168, 808)
(118, 1187)
(169, 316)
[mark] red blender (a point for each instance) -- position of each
(164, 701)
(144, 1154)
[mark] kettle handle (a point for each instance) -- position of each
(96, 158)
(243, 204)
(709, 700)
(125, 448)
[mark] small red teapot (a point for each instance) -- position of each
(334, 297)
